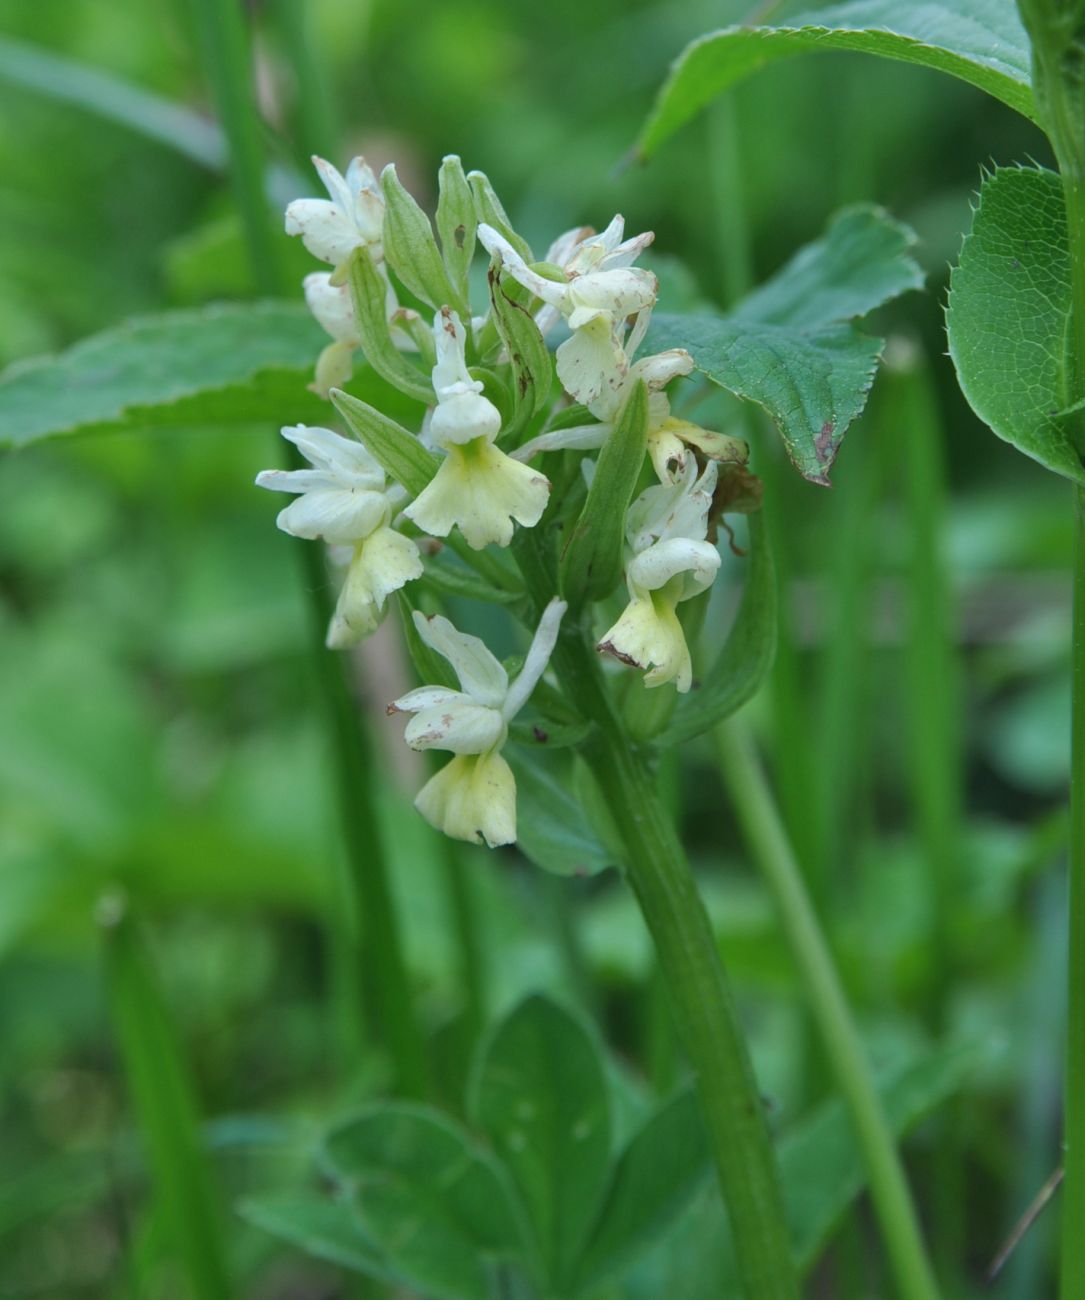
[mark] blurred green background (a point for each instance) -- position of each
(160, 737)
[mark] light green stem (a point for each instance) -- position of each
(705, 1014)
(764, 831)
(1073, 1189)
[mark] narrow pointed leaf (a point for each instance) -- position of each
(532, 367)
(745, 659)
(980, 41)
(591, 566)
(369, 294)
(490, 210)
(456, 223)
(400, 453)
(1008, 316)
(411, 249)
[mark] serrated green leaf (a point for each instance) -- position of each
(812, 385)
(746, 658)
(1008, 316)
(591, 565)
(553, 828)
(863, 260)
(789, 348)
(326, 1228)
(216, 365)
(399, 453)
(436, 1208)
(368, 292)
(980, 41)
(540, 1093)
(656, 1175)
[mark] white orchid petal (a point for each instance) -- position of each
(346, 458)
(332, 307)
(382, 563)
(336, 515)
(627, 253)
(579, 437)
(548, 290)
(479, 673)
(460, 726)
(325, 229)
(295, 480)
(425, 697)
(538, 656)
(621, 292)
(591, 363)
(657, 371)
(649, 635)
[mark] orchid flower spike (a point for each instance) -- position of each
(477, 487)
(473, 797)
(344, 500)
(670, 561)
(593, 302)
(352, 215)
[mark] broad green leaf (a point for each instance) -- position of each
(863, 260)
(980, 41)
(435, 1207)
(399, 452)
(553, 828)
(329, 1229)
(1008, 316)
(216, 365)
(591, 565)
(789, 348)
(746, 657)
(655, 1177)
(541, 1095)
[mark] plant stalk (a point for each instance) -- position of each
(1073, 1189)
(702, 1003)
(764, 831)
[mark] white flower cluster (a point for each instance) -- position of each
(588, 282)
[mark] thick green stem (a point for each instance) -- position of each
(702, 1004)
(764, 831)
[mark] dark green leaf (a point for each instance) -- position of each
(216, 365)
(980, 41)
(400, 453)
(329, 1229)
(591, 565)
(436, 1208)
(541, 1095)
(746, 657)
(1008, 316)
(553, 828)
(656, 1175)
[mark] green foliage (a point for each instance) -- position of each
(593, 559)
(215, 365)
(411, 249)
(400, 453)
(789, 348)
(456, 224)
(532, 367)
(1009, 313)
(369, 294)
(980, 41)
(541, 1096)
(554, 828)
(328, 1229)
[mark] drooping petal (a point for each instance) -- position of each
(382, 563)
(479, 672)
(345, 458)
(325, 229)
(657, 371)
(550, 291)
(578, 437)
(481, 490)
(621, 292)
(673, 509)
(670, 441)
(332, 307)
(472, 798)
(649, 635)
(461, 726)
(626, 254)
(425, 697)
(334, 367)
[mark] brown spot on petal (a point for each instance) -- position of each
(609, 648)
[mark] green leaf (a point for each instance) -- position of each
(529, 357)
(789, 348)
(591, 565)
(553, 828)
(368, 292)
(456, 222)
(411, 249)
(491, 211)
(218, 365)
(863, 260)
(1008, 316)
(541, 1095)
(329, 1229)
(656, 1175)
(980, 41)
(436, 1208)
(744, 661)
(400, 453)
